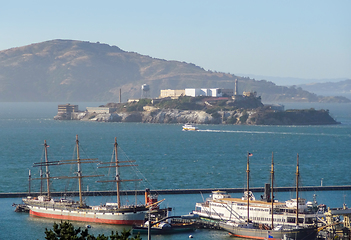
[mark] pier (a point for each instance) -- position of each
(179, 191)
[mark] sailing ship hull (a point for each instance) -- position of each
(255, 233)
(87, 215)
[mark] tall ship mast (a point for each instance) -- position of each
(47, 169)
(272, 193)
(297, 190)
(117, 164)
(64, 209)
(248, 186)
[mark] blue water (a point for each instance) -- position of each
(214, 157)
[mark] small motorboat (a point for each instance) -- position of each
(165, 228)
(190, 127)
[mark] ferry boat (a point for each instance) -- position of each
(266, 218)
(109, 213)
(221, 206)
(190, 127)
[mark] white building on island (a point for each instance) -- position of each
(209, 92)
(101, 109)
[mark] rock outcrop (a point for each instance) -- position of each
(259, 116)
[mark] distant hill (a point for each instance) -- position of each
(68, 71)
(289, 81)
(341, 88)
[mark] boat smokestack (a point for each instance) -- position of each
(147, 194)
(267, 192)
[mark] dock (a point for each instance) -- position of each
(179, 191)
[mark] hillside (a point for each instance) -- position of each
(341, 88)
(68, 71)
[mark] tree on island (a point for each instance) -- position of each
(66, 231)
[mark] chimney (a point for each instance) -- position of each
(236, 87)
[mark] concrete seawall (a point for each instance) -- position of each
(179, 191)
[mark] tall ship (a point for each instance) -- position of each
(64, 209)
(265, 218)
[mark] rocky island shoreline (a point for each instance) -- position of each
(247, 111)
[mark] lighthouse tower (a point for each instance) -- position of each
(236, 87)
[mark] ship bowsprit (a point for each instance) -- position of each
(21, 207)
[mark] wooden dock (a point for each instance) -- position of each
(199, 223)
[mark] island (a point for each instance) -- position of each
(246, 109)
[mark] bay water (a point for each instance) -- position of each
(168, 158)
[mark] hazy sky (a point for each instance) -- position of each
(301, 39)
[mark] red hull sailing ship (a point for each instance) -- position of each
(110, 213)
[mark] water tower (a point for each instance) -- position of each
(145, 89)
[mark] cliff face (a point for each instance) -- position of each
(293, 117)
(259, 116)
